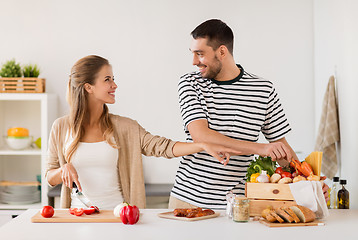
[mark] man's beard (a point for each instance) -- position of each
(214, 69)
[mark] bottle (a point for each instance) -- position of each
(334, 192)
(343, 196)
(229, 202)
(263, 178)
(329, 198)
(240, 209)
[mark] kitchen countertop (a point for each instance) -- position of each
(340, 224)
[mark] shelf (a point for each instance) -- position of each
(23, 96)
(25, 152)
(4, 206)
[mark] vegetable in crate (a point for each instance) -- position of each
(259, 164)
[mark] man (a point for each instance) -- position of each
(222, 103)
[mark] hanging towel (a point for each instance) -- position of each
(328, 133)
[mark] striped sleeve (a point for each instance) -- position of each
(189, 102)
(276, 125)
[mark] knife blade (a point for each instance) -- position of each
(80, 196)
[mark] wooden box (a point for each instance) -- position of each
(263, 195)
(22, 85)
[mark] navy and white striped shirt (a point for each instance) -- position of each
(240, 108)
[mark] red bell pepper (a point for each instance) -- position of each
(129, 214)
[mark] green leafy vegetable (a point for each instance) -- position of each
(261, 163)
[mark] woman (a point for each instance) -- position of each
(100, 152)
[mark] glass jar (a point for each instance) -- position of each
(241, 209)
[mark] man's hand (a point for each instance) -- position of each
(69, 175)
(277, 151)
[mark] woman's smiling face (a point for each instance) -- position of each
(104, 88)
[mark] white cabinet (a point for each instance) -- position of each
(36, 112)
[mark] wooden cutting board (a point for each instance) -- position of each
(64, 216)
(277, 224)
(170, 215)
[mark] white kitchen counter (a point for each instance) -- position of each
(340, 224)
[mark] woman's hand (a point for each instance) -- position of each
(69, 175)
(219, 152)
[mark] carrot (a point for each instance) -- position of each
(306, 169)
(296, 165)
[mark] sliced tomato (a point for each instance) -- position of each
(72, 210)
(79, 211)
(89, 211)
(95, 208)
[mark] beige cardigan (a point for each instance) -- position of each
(133, 141)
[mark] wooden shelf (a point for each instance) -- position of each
(8, 152)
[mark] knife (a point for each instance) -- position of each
(81, 196)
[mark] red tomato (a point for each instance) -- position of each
(89, 211)
(79, 211)
(279, 170)
(286, 174)
(47, 211)
(95, 208)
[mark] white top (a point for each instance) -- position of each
(96, 166)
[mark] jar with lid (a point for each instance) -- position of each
(241, 209)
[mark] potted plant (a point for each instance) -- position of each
(31, 71)
(10, 69)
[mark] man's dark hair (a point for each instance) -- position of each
(217, 34)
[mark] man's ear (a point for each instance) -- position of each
(88, 87)
(223, 51)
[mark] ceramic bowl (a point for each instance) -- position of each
(18, 143)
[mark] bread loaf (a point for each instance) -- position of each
(292, 214)
(304, 214)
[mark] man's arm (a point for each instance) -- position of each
(200, 132)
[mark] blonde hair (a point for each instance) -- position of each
(85, 71)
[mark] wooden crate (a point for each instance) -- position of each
(263, 195)
(22, 85)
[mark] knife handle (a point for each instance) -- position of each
(75, 186)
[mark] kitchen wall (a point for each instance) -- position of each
(336, 53)
(147, 43)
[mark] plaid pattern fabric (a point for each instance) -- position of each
(328, 133)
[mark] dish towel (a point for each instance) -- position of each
(328, 132)
(309, 194)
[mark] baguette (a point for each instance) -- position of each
(303, 213)
(290, 212)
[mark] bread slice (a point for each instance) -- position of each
(304, 214)
(292, 214)
(284, 215)
(269, 217)
(273, 213)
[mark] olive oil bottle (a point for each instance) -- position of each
(334, 193)
(343, 196)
